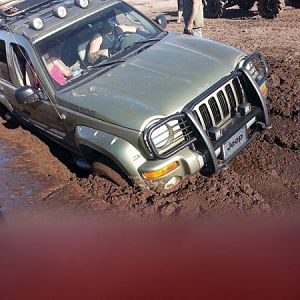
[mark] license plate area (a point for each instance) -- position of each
(233, 144)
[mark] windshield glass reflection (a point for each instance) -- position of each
(94, 41)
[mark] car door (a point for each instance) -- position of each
(7, 89)
(42, 114)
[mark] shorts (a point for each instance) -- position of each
(180, 5)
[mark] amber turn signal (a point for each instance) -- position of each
(263, 88)
(161, 172)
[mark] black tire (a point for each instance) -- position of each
(110, 172)
(246, 4)
(295, 3)
(7, 116)
(270, 9)
(3, 111)
(214, 9)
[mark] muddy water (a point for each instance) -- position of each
(18, 186)
(36, 177)
(27, 192)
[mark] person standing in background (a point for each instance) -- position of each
(193, 17)
(179, 10)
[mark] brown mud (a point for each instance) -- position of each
(37, 176)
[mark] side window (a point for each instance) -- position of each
(127, 19)
(24, 69)
(4, 74)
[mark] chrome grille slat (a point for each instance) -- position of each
(217, 108)
(238, 90)
(211, 114)
(223, 103)
(231, 96)
(206, 116)
(228, 103)
(198, 118)
(234, 93)
(220, 109)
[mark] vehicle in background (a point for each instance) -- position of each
(268, 9)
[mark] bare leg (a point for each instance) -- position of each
(179, 16)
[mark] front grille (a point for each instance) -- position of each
(217, 108)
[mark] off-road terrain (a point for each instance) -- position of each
(36, 176)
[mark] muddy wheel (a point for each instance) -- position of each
(246, 4)
(109, 171)
(7, 116)
(3, 111)
(295, 3)
(270, 9)
(214, 8)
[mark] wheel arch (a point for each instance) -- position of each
(95, 144)
(5, 104)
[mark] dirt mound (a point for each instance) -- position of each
(223, 194)
(284, 88)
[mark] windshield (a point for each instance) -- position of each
(98, 41)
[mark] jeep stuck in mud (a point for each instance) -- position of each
(151, 105)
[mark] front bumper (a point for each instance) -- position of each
(198, 151)
(204, 155)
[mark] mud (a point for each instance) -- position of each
(37, 176)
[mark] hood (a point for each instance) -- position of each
(159, 81)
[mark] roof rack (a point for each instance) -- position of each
(10, 8)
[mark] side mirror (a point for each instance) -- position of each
(26, 95)
(161, 20)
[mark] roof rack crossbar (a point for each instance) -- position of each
(16, 8)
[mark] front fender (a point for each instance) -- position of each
(121, 152)
(6, 103)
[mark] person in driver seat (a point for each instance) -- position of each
(96, 50)
(102, 41)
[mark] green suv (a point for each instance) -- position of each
(128, 99)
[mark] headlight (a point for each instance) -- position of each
(169, 135)
(161, 135)
(256, 65)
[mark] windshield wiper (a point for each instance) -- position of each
(106, 64)
(141, 42)
(148, 40)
